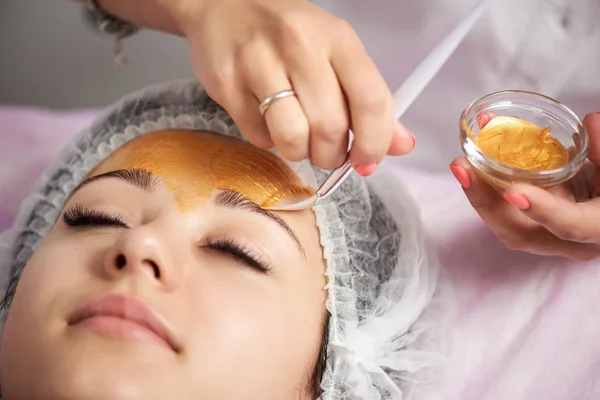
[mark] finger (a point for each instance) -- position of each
(224, 86)
(484, 199)
(570, 221)
(507, 222)
(265, 75)
(544, 243)
(252, 125)
(513, 228)
(324, 104)
(592, 126)
(370, 103)
(399, 146)
(484, 118)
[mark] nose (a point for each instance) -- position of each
(141, 252)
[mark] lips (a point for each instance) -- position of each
(123, 317)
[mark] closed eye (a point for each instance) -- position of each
(240, 252)
(81, 217)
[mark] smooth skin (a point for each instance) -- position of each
(230, 320)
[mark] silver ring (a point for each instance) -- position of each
(264, 106)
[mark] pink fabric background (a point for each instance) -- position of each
(29, 141)
(527, 327)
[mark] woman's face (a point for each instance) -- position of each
(171, 283)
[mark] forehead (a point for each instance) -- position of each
(194, 164)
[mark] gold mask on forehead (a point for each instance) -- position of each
(521, 144)
(195, 164)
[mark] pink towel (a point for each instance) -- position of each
(527, 327)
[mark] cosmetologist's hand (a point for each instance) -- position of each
(244, 51)
(564, 220)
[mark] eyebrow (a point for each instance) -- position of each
(236, 201)
(141, 178)
(225, 198)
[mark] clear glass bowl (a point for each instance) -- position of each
(537, 109)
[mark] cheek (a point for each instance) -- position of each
(234, 332)
(252, 329)
(233, 307)
(47, 284)
(32, 325)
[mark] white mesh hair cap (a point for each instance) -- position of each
(383, 335)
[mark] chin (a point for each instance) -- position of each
(92, 385)
(92, 373)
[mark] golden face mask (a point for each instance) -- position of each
(195, 164)
(521, 144)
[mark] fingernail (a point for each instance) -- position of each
(461, 175)
(517, 200)
(482, 120)
(414, 140)
(365, 169)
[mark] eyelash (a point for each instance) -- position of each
(81, 217)
(238, 251)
